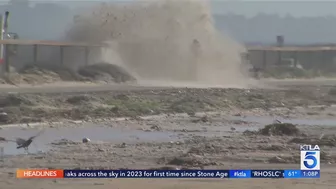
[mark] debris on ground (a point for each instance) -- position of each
(280, 129)
(79, 99)
(40, 73)
(63, 142)
(15, 100)
(203, 119)
(122, 145)
(250, 133)
(205, 149)
(272, 147)
(284, 159)
(155, 128)
(106, 72)
(3, 117)
(190, 160)
(326, 140)
(191, 113)
(237, 115)
(240, 122)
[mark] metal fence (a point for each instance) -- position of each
(19, 53)
(311, 57)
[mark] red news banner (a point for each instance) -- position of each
(39, 173)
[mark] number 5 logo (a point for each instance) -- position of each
(310, 156)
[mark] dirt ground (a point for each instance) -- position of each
(88, 106)
(198, 140)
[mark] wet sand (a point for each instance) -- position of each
(199, 140)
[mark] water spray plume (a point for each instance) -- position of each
(167, 41)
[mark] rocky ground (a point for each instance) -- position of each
(23, 108)
(198, 140)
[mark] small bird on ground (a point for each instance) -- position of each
(25, 143)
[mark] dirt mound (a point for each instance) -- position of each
(106, 71)
(280, 129)
(167, 41)
(43, 73)
(40, 73)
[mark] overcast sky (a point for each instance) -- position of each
(295, 8)
(248, 7)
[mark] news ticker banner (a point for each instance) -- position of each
(237, 174)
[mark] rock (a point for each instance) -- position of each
(155, 128)
(3, 117)
(123, 145)
(205, 119)
(86, 140)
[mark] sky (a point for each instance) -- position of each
(297, 8)
(323, 28)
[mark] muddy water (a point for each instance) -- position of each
(94, 132)
(117, 135)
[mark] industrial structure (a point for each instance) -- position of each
(10, 46)
(260, 57)
(320, 57)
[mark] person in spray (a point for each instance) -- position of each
(194, 64)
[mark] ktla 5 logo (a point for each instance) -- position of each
(310, 157)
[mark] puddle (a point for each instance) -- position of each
(94, 132)
(118, 135)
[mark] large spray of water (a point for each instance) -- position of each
(169, 41)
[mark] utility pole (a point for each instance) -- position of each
(5, 50)
(1, 45)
